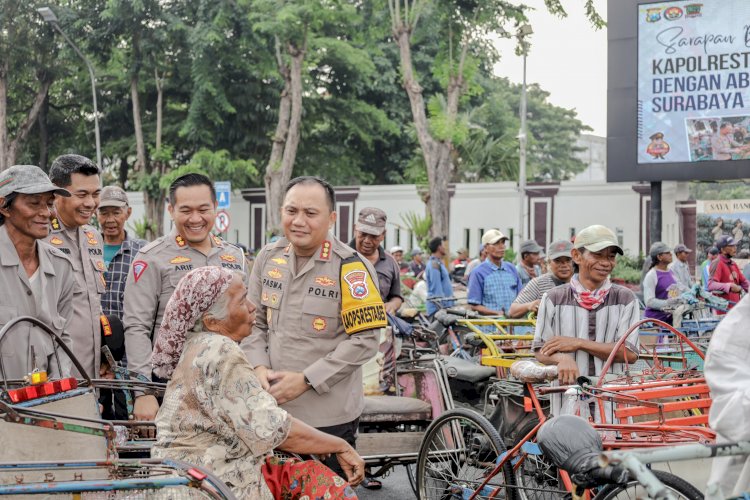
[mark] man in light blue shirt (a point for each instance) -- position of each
(494, 284)
(437, 277)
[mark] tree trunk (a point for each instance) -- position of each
(140, 146)
(43, 134)
(159, 103)
(14, 146)
(3, 113)
(122, 177)
(436, 154)
(286, 138)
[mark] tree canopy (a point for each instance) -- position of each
(197, 84)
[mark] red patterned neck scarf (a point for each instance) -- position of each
(589, 299)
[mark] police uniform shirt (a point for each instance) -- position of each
(83, 245)
(324, 321)
(153, 276)
(26, 347)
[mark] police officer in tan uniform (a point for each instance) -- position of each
(160, 265)
(37, 280)
(319, 317)
(82, 243)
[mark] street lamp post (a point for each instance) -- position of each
(522, 33)
(49, 16)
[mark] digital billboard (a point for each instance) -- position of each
(678, 90)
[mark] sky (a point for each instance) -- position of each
(568, 59)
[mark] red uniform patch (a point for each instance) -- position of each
(138, 268)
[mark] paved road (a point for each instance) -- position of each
(395, 487)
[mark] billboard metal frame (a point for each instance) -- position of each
(622, 111)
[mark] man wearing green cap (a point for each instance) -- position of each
(578, 324)
(37, 278)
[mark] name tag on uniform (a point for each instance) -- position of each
(361, 305)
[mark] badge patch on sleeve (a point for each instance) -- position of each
(138, 267)
(361, 305)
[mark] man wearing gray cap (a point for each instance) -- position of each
(369, 233)
(37, 278)
(561, 270)
(417, 265)
(82, 243)
(579, 323)
(680, 267)
(119, 248)
(528, 266)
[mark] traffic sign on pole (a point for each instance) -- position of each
(223, 194)
(222, 222)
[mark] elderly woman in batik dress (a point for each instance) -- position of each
(215, 413)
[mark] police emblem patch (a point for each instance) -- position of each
(274, 298)
(275, 273)
(228, 258)
(56, 241)
(264, 297)
(319, 324)
(180, 260)
(100, 265)
(357, 281)
(138, 267)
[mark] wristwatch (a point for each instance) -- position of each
(307, 381)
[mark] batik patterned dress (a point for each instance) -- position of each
(215, 414)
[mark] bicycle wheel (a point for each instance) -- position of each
(458, 452)
(633, 490)
(411, 475)
(537, 478)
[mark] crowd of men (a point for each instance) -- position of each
(322, 304)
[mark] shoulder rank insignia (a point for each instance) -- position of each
(180, 260)
(288, 249)
(217, 240)
(54, 223)
(325, 250)
(180, 241)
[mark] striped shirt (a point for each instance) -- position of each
(561, 316)
(537, 287)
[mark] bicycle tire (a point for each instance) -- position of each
(678, 485)
(411, 475)
(445, 468)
